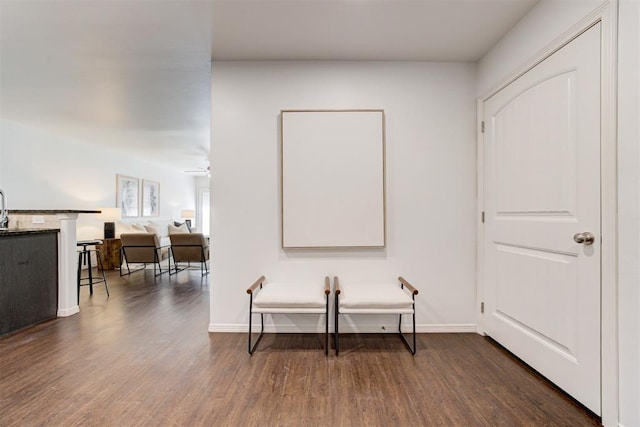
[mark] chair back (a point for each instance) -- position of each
(140, 247)
(189, 247)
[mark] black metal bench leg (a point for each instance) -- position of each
(255, 344)
(326, 328)
(252, 348)
(404, 339)
(336, 332)
(414, 333)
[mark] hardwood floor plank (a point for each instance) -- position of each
(143, 357)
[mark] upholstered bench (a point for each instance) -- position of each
(376, 298)
(282, 298)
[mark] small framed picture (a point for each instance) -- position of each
(150, 198)
(127, 195)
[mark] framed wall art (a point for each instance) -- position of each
(150, 198)
(333, 178)
(127, 195)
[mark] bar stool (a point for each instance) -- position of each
(84, 258)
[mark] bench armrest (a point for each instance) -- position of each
(408, 285)
(255, 285)
(336, 284)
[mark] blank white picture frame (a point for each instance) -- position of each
(333, 178)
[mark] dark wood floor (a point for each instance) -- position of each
(143, 357)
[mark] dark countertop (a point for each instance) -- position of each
(49, 211)
(23, 231)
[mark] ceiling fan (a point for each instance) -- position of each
(201, 171)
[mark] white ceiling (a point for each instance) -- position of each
(397, 30)
(135, 75)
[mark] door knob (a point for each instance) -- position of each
(587, 238)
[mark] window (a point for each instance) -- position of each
(203, 211)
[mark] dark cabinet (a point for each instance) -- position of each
(28, 279)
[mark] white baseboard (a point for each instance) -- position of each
(68, 311)
(449, 329)
(346, 329)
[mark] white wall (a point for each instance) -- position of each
(43, 171)
(629, 210)
(544, 23)
(431, 174)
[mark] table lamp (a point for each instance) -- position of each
(110, 215)
(187, 214)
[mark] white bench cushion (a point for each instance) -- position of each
(374, 298)
(285, 297)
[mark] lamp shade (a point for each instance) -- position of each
(188, 213)
(110, 214)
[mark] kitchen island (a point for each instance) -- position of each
(28, 277)
(62, 221)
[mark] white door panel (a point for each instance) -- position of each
(546, 285)
(535, 154)
(542, 186)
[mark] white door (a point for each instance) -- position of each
(542, 187)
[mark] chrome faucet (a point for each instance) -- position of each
(4, 213)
